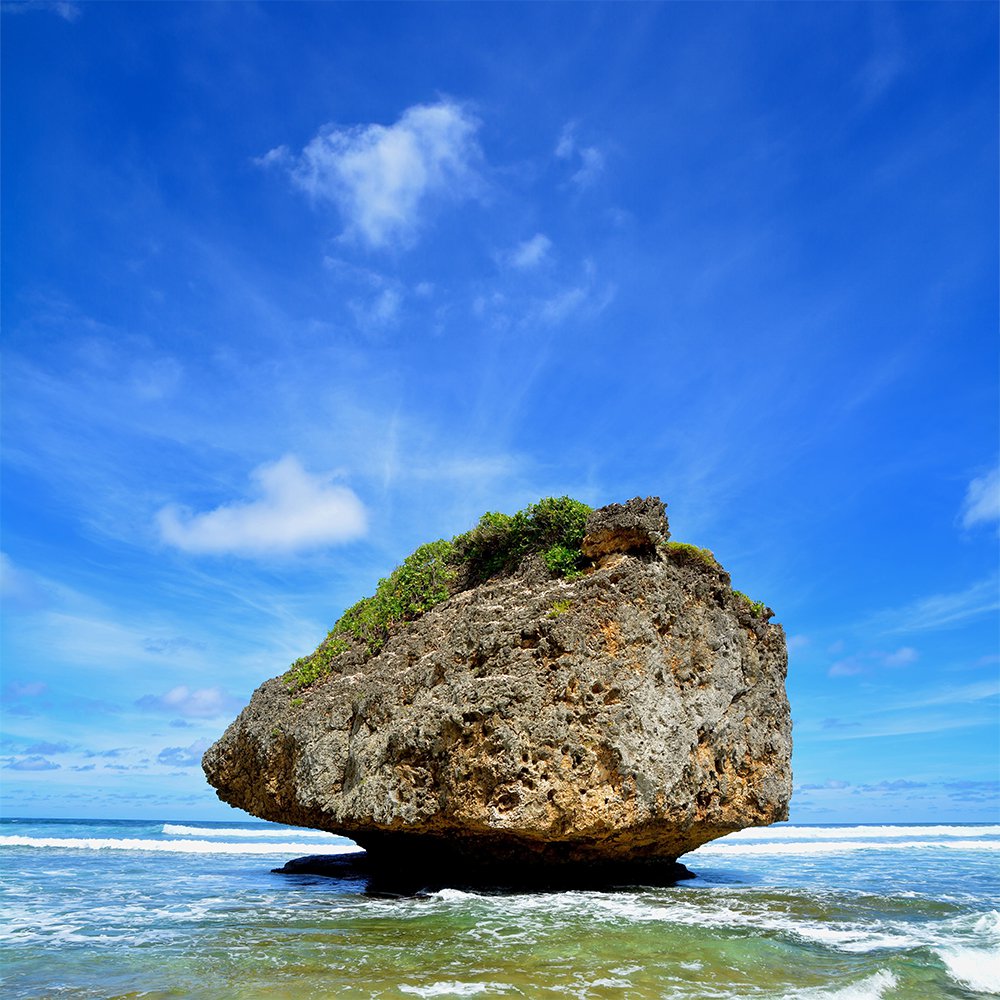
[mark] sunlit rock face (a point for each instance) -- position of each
(621, 718)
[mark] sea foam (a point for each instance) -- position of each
(841, 846)
(859, 832)
(872, 988)
(170, 846)
(973, 968)
(445, 989)
(177, 830)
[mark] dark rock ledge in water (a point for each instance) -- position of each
(381, 879)
(534, 726)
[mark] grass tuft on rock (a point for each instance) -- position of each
(685, 551)
(757, 608)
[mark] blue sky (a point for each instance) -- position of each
(290, 289)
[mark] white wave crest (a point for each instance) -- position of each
(170, 846)
(843, 846)
(859, 832)
(872, 988)
(177, 830)
(445, 989)
(973, 968)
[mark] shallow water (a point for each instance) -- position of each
(114, 909)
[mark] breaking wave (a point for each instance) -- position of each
(171, 846)
(177, 830)
(860, 832)
(842, 846)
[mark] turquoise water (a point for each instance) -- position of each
(143, 909)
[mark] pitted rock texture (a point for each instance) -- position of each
(633, 527)
(624, 717)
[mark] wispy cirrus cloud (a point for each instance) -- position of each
(940, 611)
(199, 703)
(67, 11)
(172, 645)
(27, 689)
(961, 694)
(982, 500)
(382, 179)
(46, 747)
(294, 510)
(866, 662)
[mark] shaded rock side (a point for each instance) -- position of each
(626, 716)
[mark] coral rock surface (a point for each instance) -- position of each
(623, 717)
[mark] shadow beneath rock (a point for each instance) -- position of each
(392, 880)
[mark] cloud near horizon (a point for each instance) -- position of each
(294, 511)
(381, 178)
(36, 762)
(189, 756)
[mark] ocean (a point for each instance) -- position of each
(115, 908)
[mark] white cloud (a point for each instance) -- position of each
(278, 155)
(34, 763)
(12, 580)
(849, 667)
(867, 662)
(531, 252)
(381, 178)
(202, 703)
(588, 159)
(380, 310)
(567, 142)
(901, 657)
(294, 511)
(67, 11)
(982, 500)
(562, 305)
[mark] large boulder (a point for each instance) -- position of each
(620, 718)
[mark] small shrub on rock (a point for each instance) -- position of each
(552, 528)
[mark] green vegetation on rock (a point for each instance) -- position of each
(552, 528)
(684, 550)
(307, 669)
(414, 587)
(559, 608)
(757, 608)
(563, 561)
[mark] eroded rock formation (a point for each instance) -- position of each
(623, 717)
